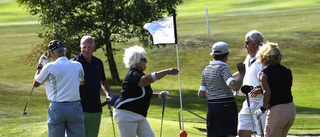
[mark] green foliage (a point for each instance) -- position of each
(114, 21)
(35, 54)
(108, 21)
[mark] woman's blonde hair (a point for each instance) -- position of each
(133, 55)
(268, 54)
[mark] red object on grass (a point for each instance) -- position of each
(183, 134)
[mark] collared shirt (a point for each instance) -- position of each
(63, 79)
(216, 78)
(90, 91)
(252, 71)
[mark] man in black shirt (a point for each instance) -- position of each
(90, 92)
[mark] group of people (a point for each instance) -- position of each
(271, 91)
(73, 87)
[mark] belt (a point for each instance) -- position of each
(65, 101)
(222, 100)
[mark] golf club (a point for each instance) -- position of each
(104, 103)
(246, 89)
(248, 102)
(111, 115)
(164, 103)
(25, 108)
(110, 101)
(261, 127)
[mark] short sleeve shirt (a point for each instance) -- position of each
(63, 79)
(90, 91)
(216, 78)
(134, 98)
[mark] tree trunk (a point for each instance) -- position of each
(112, 63)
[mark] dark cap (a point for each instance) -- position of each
(55, 44)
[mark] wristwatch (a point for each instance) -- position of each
(260, 89)
(39, 67)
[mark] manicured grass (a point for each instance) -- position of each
(11, 12)
(293, 24)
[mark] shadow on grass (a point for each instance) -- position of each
(307, 110)
(191, 101)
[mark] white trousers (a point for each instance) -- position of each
(131, 124)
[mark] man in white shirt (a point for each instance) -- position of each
(63, 79)
(253, 40)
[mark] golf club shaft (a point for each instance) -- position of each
(111, 115)
(163, 106)
(261, 127)
(25, 108)
(104, 103)
(248, 102)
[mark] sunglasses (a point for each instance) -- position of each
(144, 59)
(247, 42)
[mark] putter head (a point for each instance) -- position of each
(25, 113)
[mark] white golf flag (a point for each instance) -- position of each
(163, 31)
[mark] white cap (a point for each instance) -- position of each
(219, 48)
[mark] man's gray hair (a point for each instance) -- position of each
(60, 51)
(255, 36)
(133, 55)
(84, 38)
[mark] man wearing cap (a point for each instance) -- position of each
(63, 79)
(253, 40)
(216, 86)
(90, 92)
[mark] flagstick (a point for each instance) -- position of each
(179, 86)
(176, 42)
(208, 27)
(151, 31)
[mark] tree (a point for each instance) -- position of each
(108, 21)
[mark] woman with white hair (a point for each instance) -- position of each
(131, 108)
(276, 83)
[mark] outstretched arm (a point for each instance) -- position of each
(150, 78)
